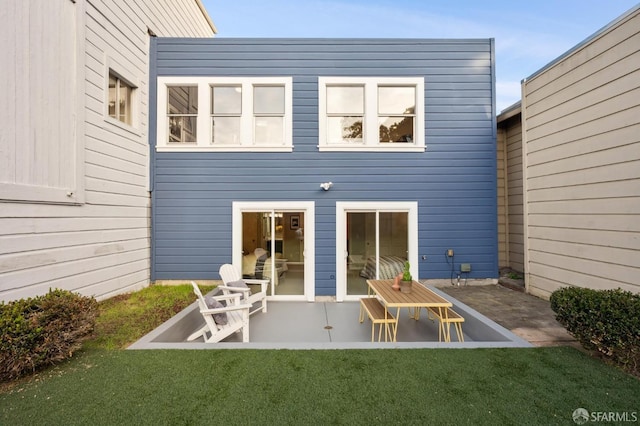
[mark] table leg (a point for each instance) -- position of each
(395, 326)
(445, 320)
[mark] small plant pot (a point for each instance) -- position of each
(405, 286)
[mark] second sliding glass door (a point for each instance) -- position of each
(377, 246)
(373, 243)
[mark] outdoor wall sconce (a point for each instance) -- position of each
(326, 185)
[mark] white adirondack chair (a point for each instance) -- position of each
(237, 317)
(229, 274)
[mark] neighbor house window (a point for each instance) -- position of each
(225, 114)
(120, 99)
(371, 113)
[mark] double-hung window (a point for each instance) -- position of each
(345, 114)
(182, 114)
(268, 115)
(224, 114)
(371, 113)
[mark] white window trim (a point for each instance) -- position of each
(370, 124)
(204, 114)
(113, 67)
(342, 208)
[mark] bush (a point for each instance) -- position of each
(43, 330)
(604, 320)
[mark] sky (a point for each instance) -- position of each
(528, 34)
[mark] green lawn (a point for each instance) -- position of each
(107, 385)
(423, 386)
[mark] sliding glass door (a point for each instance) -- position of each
(374, 240)
(270, 242)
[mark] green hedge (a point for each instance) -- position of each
(43, 330)
(604, 320)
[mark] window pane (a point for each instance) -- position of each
(269, 131)
(182, 100)
(345, 100)
(344, 129)
(226, 130)
(396, 129)
(182, 129)
(394, 234)
(396, 100)
(124, 100)
(268, 100)
(226, 100)
(112, 97)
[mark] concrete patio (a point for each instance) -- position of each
(494, 317)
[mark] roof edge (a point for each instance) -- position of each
(206, 16)
(510, 111)
(584, 42)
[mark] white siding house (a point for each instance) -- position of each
(74, 154)
(581, 161)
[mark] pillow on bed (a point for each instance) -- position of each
(221, 317)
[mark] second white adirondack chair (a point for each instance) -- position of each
(230, 274)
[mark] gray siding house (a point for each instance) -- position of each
(573, 166)
(581, 162)
(320, 163)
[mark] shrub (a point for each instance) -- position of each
(43, 330)
(604, 320)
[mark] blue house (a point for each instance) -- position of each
(320, 163)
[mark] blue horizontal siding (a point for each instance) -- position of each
(453, 181)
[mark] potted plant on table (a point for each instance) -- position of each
(407, 279)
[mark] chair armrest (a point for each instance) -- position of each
(263, 283)
(233, 298)
(226, 309)
(235, 289)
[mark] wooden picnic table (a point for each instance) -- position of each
(420, 297)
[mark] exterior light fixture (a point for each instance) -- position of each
(326, 185)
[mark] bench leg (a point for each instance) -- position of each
(458, 326)
(443, 331)
(393, 329)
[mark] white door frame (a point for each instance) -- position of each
(308, 207)
(344, 207)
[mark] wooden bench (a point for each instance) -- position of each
(378, 315)
(450, 317)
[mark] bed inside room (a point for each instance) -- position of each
(378, 245)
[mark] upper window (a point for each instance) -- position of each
(120, 102)
(182, 113)
(225, 113)
(370, 113)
